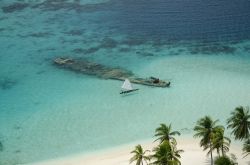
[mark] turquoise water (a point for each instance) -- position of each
(47, 112)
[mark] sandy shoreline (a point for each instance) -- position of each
(193, 154)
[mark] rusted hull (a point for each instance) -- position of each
(101, 71)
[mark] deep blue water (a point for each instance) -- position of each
(177, 20)
(166, 20)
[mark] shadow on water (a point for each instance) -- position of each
(129, 94)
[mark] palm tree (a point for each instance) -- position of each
(206, 128)
(139, 155)
(224, 160)
(164, 134)
(165, 154)
(240, 123)
(246, 148)
(220, 142)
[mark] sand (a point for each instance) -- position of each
(193, 155)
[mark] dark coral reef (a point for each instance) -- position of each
(7, 83)
(212, 49)
(53, 5)
(14, 7)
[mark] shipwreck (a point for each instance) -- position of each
(105, 72)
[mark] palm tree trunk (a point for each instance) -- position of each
(222, 151)
(211, 153)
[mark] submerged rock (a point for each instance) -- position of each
(101, 71)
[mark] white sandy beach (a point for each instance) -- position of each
(193, 155)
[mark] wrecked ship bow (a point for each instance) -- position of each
(101, 71)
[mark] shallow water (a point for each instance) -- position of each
(47, 112)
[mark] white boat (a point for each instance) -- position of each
(127, 87)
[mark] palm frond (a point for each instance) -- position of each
(246, 148)
(239, 122)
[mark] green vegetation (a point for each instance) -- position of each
(139, 156)
(166, 153)
(212, 135)
(207, 129)
(246, 148)
(212, 138)
(240, 123)
(164, 134)
(224, 160)
(220, 142)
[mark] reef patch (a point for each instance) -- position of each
(74, 32)
(40, 34)
(15, 7)
(124, 50)
(36, 35)
(212, 49)
(247, 48)
(3, 18)
(7, 83)
(54, 5)
(145, 54)
(108, 43)
(1, 146)
(2, 29)
(130, 41)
